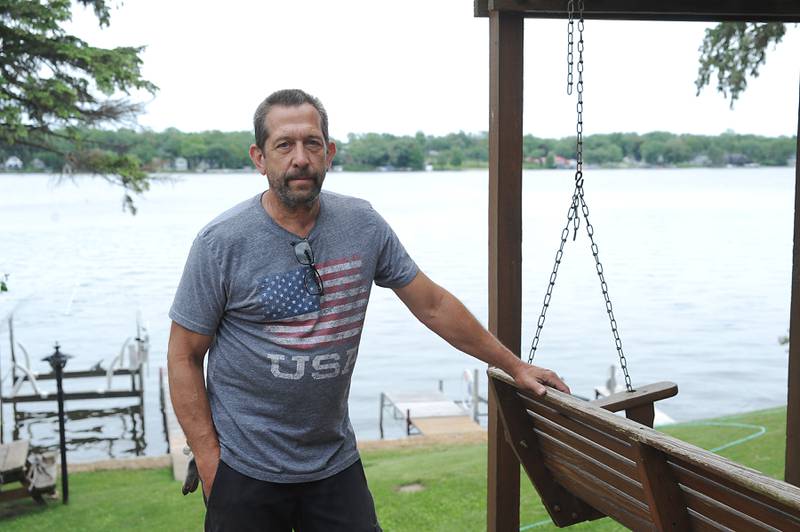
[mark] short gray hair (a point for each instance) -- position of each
(286, 98)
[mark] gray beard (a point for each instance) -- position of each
(291, 201)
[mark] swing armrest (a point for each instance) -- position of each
(639, 397)
(638, 404)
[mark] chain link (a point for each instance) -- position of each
(579, 201)
(570, 43)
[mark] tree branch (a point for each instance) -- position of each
(735, 51)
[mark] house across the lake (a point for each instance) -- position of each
(13, 163)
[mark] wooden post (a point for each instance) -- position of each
(13, 367)
(563, 507)
(664, 498)
(792, 471)
(476, 398)
(505, 246)
(380, 417)
(141, 391)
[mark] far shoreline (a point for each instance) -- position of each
(382, 170)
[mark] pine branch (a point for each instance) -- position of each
(735, 51)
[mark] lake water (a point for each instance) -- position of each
(698, 264)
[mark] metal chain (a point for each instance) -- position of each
(572, 214)
(579, 107)
(570, 41)
(623, 362)
(578, 199)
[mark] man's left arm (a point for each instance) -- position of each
(445, 315)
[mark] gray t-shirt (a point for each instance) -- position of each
(280, 363)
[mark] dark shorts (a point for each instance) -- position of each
(338, 503)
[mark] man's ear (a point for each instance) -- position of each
(331, 153)
(257, 156)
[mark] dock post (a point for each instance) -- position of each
(476, 397)
(162, 399)
(13, 364)
(141, 392)
(133, 378)
(380, 416)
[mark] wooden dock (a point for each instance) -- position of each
(428, 413)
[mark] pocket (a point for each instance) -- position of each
(217, 475)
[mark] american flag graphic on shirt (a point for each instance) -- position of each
(300, 320)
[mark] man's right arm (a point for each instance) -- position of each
(187, 386)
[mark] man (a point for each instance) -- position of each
(275, 290)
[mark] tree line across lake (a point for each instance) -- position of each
(173, 150)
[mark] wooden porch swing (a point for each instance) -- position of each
(584, 461)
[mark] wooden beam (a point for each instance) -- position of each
(792, 467)
(688, 10)
(481, 8)
(644, 414)
(564, 508)
(73, 396)
(505, 246)
(13, 495)
(85, 373)
(667, 507)
(642, 395)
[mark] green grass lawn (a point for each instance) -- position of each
(453, 478)
(147, 499)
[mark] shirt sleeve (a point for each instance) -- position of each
(202, 295)
(395, 268)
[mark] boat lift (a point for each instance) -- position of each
(134, 351)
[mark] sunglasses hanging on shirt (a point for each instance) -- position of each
(305, 256)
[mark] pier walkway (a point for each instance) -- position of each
(428, 413)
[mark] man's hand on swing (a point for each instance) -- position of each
(537, 379)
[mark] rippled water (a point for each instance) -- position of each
(698, 263)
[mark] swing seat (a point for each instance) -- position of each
(587, 462)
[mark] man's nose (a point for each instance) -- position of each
(300, 156)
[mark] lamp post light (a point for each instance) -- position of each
(57, 361)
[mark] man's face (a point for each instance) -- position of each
(295, 156)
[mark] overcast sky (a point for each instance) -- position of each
(402, 67)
